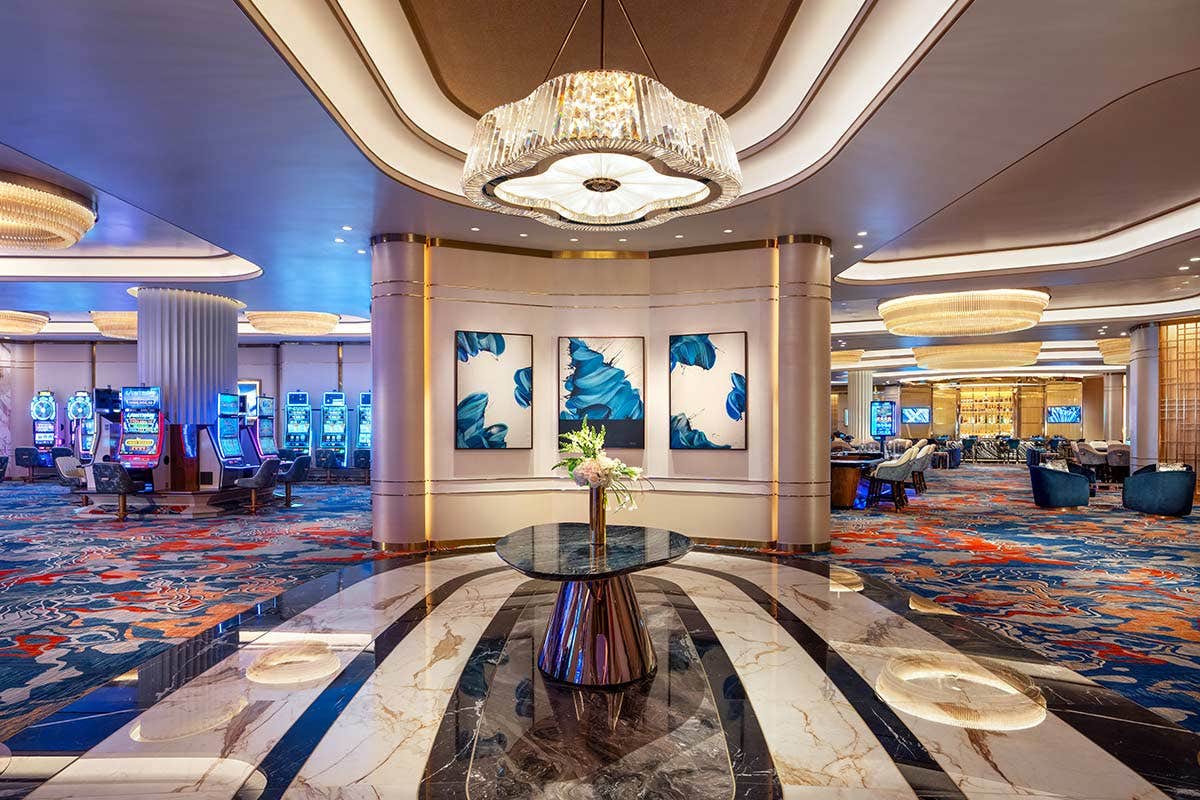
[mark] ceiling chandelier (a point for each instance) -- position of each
(844, 359)
(978, 356)
(601, 149)
(35, 215)
(116, 324)
(973, 313)
(22, 323)
(1115, 352)
(293, 323)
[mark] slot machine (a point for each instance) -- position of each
(222, 458)
(362, 436)
(81, 413)
(264, 429)
(107, 403)
(297, 429)
(334, 416)
(43, 410)
(142, 428)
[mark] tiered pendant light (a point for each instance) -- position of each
(978, 356)
(22, 323)
(1114, 351)
(35, 215)
(973, 313)
(293, 323)
(845, 359)
(116, 324)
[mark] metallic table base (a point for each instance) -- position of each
(597, 636)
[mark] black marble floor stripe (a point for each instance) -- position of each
(281, 765)
(922, 772)
(449, 760)
(1162, 752)
(753, 770)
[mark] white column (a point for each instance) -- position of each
(398, 490)
(1143, 395)
(1114, 406)
(860, 385)
(187, 344)
(802, 437)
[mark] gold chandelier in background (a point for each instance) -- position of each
(601, 149)
(845, 359)
(1115, 352)
(978, 356)
(36, 215)
(293, 323)
(22, 323)
(116, 324)
(971, 313)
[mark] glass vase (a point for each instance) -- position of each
(597, 500)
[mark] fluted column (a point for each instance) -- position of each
(802, 441)
(1143, 395)
(187, 344)
(398, 490)
(860, 386)
(1114, 406)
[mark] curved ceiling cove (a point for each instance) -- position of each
(153, 269)
(837, 60)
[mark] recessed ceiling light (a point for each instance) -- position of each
(339, 239)
(1124, 333)
(862, 233)
(523, 235)
(347, 228)
(1184, 268)
(858, 247)
(727, 230)
(679, 236)
(474, 228)
(622, 240)
(1197, 258)
(573, 239)
(362, 252)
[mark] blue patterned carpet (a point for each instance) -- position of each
(1112, 594)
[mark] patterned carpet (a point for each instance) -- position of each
(84, 598)
(1113, 594)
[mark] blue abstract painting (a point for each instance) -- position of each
(493, 390)
(602, 379)
(708, 402)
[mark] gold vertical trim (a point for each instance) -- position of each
(340, 356)
(427, 365)
(774, 356)
(93, 366)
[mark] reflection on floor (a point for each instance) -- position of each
(1110, 593)
(415, 678)
(85, 598)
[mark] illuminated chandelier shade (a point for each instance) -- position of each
(116, 324)
(601, 150)
(978, 356)
(1115, 352)
(293, 323)
(35, 215)
(973, 313)
(22, 323)
(845, 359)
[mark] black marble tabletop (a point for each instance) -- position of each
(563, 551)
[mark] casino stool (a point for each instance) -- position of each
(287, 454)
(27, 457)
(113, 478)
(362, 460)
(71, 475)
(3, 467)
(263, 478)
(327, 460)
(293, 473)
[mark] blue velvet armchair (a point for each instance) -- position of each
(1054, 488)
(1167, 493)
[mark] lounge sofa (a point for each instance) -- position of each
(1165, 492)
(1053, 488)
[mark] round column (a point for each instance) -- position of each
(187, 344)
(802, 436)
(398, 490)
(1114, 406)
(860, 386)
(1143, 395)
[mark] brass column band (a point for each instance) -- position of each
(398, 294)
(816, 295)
(805, 238)
(412, 238)
(614, 255)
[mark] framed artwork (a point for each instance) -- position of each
(603, 379)
(708, 391)
(493, 391)
(250, 388)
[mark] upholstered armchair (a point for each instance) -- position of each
(1165, 492)
(1053, 488)
(955, 451)
(897, 446)
(920, 464)
(968, 447)
(3, 466)
(1118, 461)
(864, 443)
(892, 474)
(28, 458)
(837, 445)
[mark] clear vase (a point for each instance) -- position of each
(597, 500)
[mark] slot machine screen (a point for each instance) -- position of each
(140, 433)
(364, 428)
(335, 420)
(297, 420)
(266, 407)
(228, 405)
(228, 437)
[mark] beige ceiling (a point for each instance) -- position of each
(522, 41)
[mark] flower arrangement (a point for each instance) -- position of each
(584, 458)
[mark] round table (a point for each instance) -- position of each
(596, 635)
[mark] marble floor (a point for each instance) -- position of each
(417, 678)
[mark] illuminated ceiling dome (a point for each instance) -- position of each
(293, 323)
(116, 324)
(844, 359)
(35, 215)
(973, 313)
(1114, 351)
(602, 150)
(22, 323)
(978, 356)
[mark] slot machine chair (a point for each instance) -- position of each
(71, 474)
(263, 478)
(29, 458)
(294, 472)
(3, 467)
(112, 478)
(362, 460)
(328, 461)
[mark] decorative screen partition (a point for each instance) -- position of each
(986, 410)
(1179, 391)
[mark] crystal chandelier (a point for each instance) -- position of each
(601, 150)
(978, 356)
(116, 324)
(974, 313)
(35, 215)
(845, 359)
(293, 323)
(22, 323)
(1115, 352)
